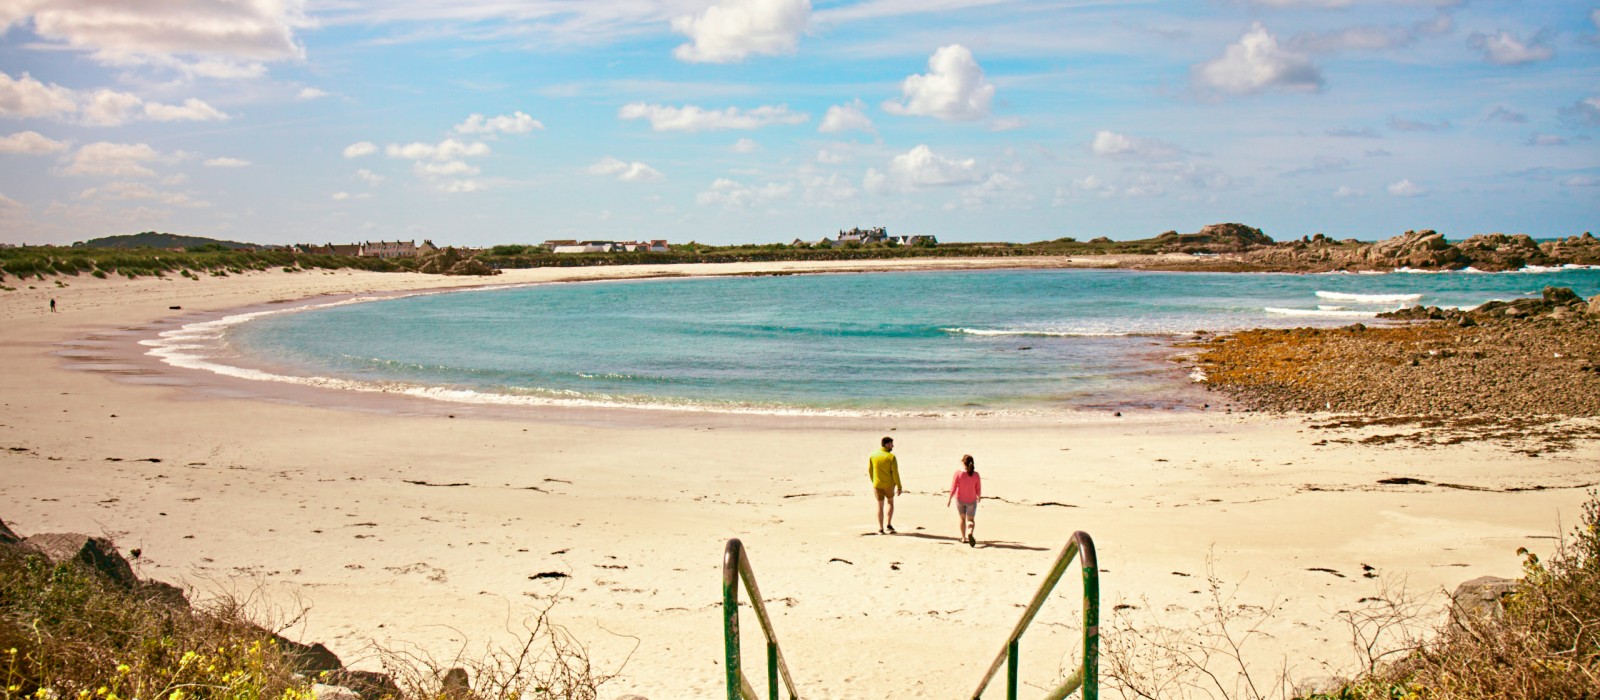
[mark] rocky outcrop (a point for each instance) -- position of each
(1494, 252)
(1423, 250)
(1573, 250)
(1482, 598)
(7, 536)
(97, 553)
(1216, 238)
(1554, 302)
(1426, 250)
(1528, 360)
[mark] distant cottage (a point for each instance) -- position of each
(571, 246)
(386, 250)
(867, 236)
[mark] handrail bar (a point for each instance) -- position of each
(736, 568)
(1087, 675)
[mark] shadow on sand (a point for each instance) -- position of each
(991, 544)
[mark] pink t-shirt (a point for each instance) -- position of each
(966, 487)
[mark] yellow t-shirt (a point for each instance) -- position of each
(884, 470)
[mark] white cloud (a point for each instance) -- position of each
(828, 191)
(1583, 112)
(369, 177)
(1408, 125)
(359, 149)
(1362, 38)
(1406, 188)
(116, 159)
(461, 186)
(310, 93)
(1348, 132)
(514, 123)
(737, 195)
(1546, 140)
(1320, 165)
(1582, 181)
(1257, 63)
(25, 97)
(118, 32)
(731, 30)
(1348, 192)
(828, 157)
(448, 149)
(847, 117)
(1501, 114)
(692, 118)
(140, 191)
(110, 108)
(953, 88)
(1508, 50)
(920, 168)
(340, 196)
(745, 146)
(625, 171)
(1007, 124)
(31, 142)
(445, 168)
(226, 163)
(1112, 144)
(9, 203)
(1093, 185)
(191, 110)
(998, 189)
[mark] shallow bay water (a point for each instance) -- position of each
(947, 342)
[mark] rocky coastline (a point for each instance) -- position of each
(1504, 369)
(1240, 248)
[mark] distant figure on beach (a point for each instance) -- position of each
(52, 306)
(884, 470)
(966, 489)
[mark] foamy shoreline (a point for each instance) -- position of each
(346, 508)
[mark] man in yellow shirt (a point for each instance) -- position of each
(884, 470)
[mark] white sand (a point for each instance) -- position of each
(312, 503)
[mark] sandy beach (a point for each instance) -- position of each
(424, 526)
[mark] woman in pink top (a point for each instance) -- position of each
(965, 490)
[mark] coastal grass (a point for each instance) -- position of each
(1543, 644)
(39, 262)
(1546, 645)
(67, 632)
(70, 633)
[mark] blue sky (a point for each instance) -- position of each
(730, 121)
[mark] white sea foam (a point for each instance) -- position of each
(1325, 307)
(1035, 333)
(1367, 298)
(1321, 313)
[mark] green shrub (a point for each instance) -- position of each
(67, 632)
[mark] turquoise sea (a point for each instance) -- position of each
(912, 342)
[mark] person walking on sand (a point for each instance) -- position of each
(884, 470)
(52, 306)
(966, 489)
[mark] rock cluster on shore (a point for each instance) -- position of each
(1242, 247)
(1527, 359)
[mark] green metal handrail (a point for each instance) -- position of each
(1088, 675)
(736, 568)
